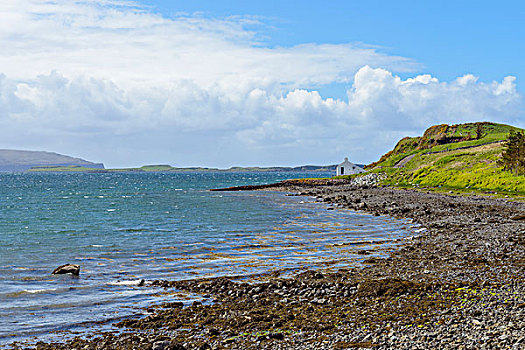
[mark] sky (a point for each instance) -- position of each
(245, 83)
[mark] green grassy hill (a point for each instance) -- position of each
(463, 156)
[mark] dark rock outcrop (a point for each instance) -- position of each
(67, 268)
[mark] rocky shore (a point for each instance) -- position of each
(459, 283)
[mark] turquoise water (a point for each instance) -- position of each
(125, 227)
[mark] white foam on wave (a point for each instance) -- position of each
(125, 283)
(38, 291)
(26, 291)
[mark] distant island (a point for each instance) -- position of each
(16, 160)
(39, 161)
(169, 168)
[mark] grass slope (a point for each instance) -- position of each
(447, 157)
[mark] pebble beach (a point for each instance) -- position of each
(457, 284)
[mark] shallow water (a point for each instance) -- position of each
(125, 227)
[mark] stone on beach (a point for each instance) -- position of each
(67, 268)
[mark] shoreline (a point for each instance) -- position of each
(458, 284)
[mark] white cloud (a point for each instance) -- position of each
(418, 102)
(113, 82)
(301, 124)
(125, 43)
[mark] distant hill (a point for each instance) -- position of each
(15, 160)
(168, 168)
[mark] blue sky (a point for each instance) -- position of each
(448, 38)
(226, 83)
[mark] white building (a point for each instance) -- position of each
(348, 168)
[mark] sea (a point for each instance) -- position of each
(122, 228)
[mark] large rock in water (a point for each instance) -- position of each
(67, 268)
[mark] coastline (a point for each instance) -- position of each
(458, 284)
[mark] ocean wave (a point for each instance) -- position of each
(132, 229)
(29, 292)
(126, 283)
